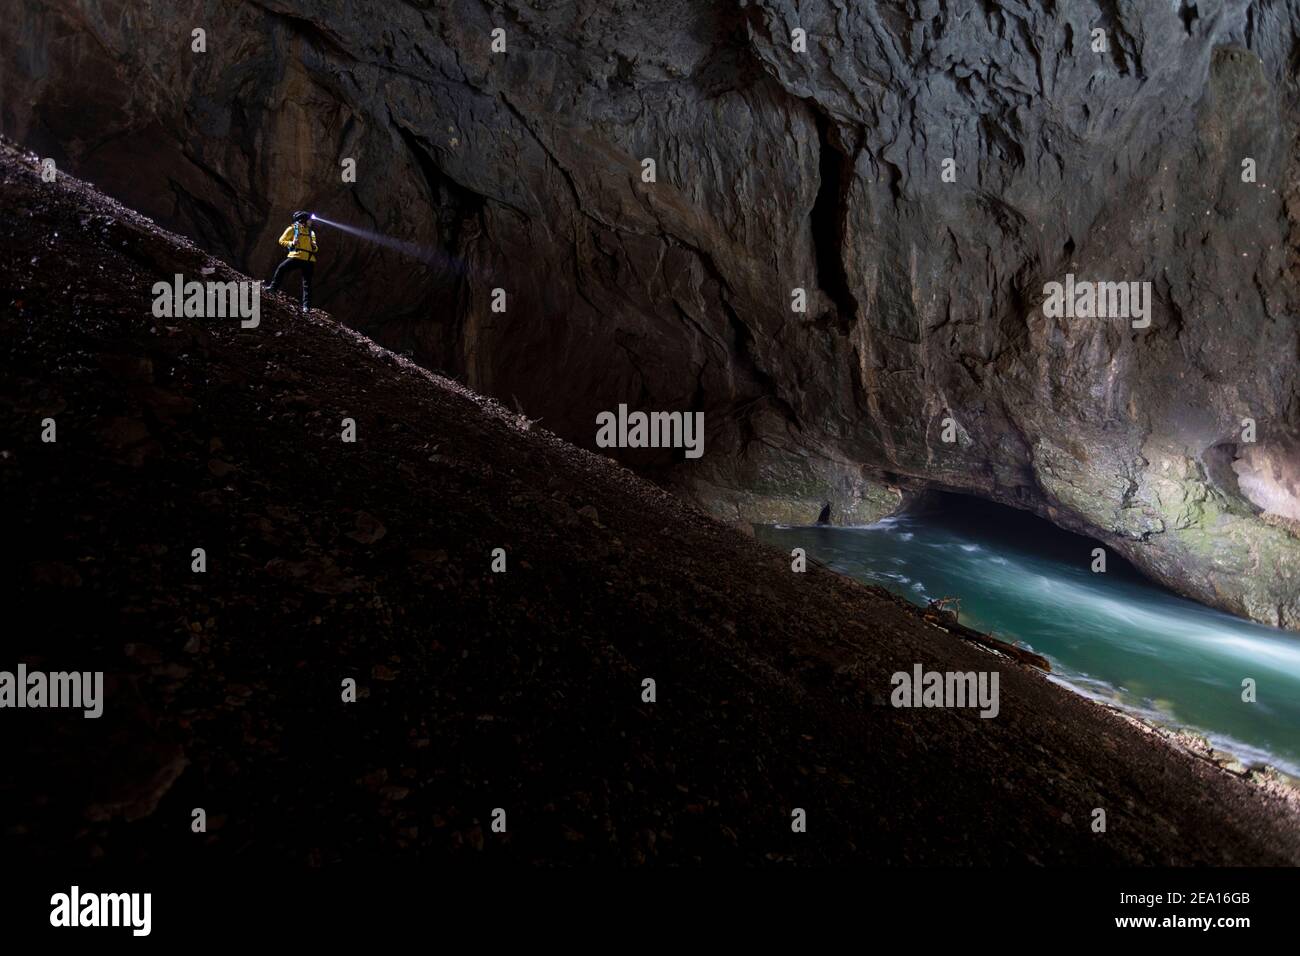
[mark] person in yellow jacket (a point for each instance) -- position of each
(300, 240)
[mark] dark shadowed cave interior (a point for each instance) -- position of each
(502, 551)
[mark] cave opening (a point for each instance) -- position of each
(999, 525)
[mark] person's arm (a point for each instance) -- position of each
(287, 237)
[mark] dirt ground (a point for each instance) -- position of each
(521, 690)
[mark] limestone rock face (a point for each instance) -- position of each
(1152, 142)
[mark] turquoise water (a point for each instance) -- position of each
(1114, 636)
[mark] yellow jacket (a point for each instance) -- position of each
(305, 248)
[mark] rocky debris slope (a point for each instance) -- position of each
(522, 690)
(775, 170)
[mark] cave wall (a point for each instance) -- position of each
(775, 170)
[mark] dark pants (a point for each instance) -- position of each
(284, 268)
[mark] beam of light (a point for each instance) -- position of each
(412, 250)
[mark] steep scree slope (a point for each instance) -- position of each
(520, 690)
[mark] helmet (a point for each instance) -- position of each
(301, 215)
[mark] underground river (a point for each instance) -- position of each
(1114, 636)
